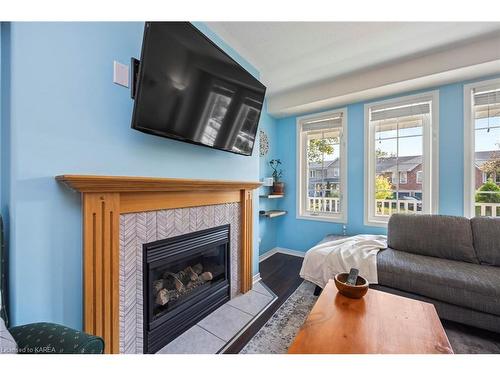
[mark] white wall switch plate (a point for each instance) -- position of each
(120, 74)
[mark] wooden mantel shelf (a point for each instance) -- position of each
(122, 184)
(105, 198)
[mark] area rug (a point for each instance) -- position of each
(278, 333)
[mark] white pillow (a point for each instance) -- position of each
(7, 343)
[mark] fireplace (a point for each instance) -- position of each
(185, 278)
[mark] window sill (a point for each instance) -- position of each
(330, 219)
(375, 223)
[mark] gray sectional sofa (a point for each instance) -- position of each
(452, 262)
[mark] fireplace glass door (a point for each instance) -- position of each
(185, 278)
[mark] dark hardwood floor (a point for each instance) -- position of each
(280, 272)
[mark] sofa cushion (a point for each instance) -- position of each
(486, 233)
(447, 237)
(459, 283)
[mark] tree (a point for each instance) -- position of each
(318, 147)
(488, 193)
(493, 164)
(380, 154)
(383, 188)
(383, 154)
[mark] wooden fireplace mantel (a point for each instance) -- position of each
(106, 197)
(123, 184)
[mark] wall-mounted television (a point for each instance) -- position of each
(190, 90)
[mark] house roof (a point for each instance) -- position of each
(326, 165)
(393, 164)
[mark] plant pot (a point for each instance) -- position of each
(278, 188)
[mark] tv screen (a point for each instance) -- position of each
(190, 90)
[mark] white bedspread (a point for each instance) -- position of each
(324, 261)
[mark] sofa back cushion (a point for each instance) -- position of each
(447, 237)
(486, 233)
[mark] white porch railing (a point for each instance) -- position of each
(386, 207)
(488, 209)
(322, 204)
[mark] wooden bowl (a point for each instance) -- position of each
(351, 291)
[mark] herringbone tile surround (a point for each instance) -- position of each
(137, 229)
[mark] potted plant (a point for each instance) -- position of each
(278, 186)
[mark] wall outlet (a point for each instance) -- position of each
(120, 74)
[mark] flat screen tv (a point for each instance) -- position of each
(190, 90)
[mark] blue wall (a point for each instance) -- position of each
(300, 234)
(66, 116)
(268, 227)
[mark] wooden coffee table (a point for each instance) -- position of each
(377, 323)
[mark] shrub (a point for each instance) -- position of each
(488, 193)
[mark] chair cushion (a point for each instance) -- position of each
(486, 233)
(459, 283)
(7, 343)
(51, 338)
(447, 237)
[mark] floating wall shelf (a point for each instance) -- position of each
(273, 213)
(272, 196)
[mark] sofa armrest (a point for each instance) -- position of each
(51, 338)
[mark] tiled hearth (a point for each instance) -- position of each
(137, 229)
(216, 332)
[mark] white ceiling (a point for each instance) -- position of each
(292, 55)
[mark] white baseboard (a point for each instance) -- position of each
(281, 250)
(256, 278)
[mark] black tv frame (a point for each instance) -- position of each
(136, 72)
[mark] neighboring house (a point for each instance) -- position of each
(324, 178)
(405, 171)
(481, 177)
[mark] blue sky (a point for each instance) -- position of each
(485, 141)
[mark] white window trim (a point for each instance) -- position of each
(430, 147)
(470, 144)
(300, 211)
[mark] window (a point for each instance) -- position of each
(321, 147)
(419, 177)
(403, 178)
(482, 149)
(401, 136)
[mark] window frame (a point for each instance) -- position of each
(401, 180)
(301, 165)
(430, 154)
(470, 145)
(418, 177)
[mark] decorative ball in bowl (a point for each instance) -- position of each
(348, 290)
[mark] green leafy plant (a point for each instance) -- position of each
(489, 192)
(277, 171)
(319, 147)
(383, 188)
